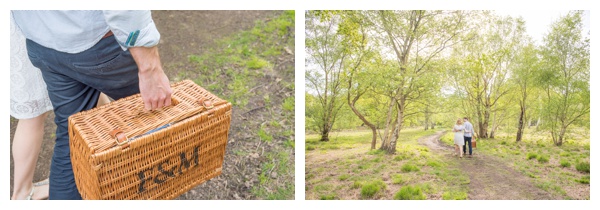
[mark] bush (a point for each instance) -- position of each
(409, 168)
(565, 163)
(531, 156)
(410, 193)
(370, 189)
(454, 195)
(543, 159)
(583, 166)
(310, 147)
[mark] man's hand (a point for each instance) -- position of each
(154, 84)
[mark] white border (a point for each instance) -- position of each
(300, 6)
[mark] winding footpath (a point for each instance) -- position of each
(491, 178)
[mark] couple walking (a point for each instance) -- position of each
(463, 133)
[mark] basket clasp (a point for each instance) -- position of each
(120, 138)
(206, 103)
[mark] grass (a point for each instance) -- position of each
(263, 135)
(409, 168)
(565, 163)
(399, 179)
(239, 60)
(583, 166)
(277, 164)
(543, 158)
(344, 177)
(370, 189)
(362, 174)
(584, 180)
(551, 171)
(410, 193)
(531, 156)
(454, 195)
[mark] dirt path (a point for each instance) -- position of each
(491, 178)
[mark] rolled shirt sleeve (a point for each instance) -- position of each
(132, 28)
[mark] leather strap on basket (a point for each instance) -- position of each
(122, 140)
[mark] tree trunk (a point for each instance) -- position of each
(561, 136)
(362, 117)
(390, 146)
(325, 135)
(521, 125)
(484, 126)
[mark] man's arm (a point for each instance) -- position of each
(135, 30)
(154, 84)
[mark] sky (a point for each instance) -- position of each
(538, 21)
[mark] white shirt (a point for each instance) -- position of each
(468, 129)
(74, 31)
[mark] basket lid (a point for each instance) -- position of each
(128, 116)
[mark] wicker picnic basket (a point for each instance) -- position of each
(119, 151)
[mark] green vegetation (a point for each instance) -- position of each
(344, 177)
(565, 163)
(370, 189)
(531, 156)
(370, 165)
(543, 158)
(529, 102)
(583, 166)
(410, 193)
(409, 168)
(454, 195)
(328, 197)
(399, 179)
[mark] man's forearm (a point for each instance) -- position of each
(154, 85)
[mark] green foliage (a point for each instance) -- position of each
(583, 166)
(370, 189)
(356, 185)
(263, 135)
(409, 168)
(376, 152)
(399, 179)
(565, 163)
(543, 158)
(434, 163)
(410, 193)
(289, 143)
(256, 63)
(584, 180)
(344, 177)
(531, 155)
(454, 195)
(328, 197)
(288, 103)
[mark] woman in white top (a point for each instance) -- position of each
(459, 138)
(30, 104)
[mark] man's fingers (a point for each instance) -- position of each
(154, 104)
(147, 105)
(160, 103)
(168, 101)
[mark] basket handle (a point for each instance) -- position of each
(122, 140)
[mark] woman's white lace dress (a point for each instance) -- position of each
(28, 94)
